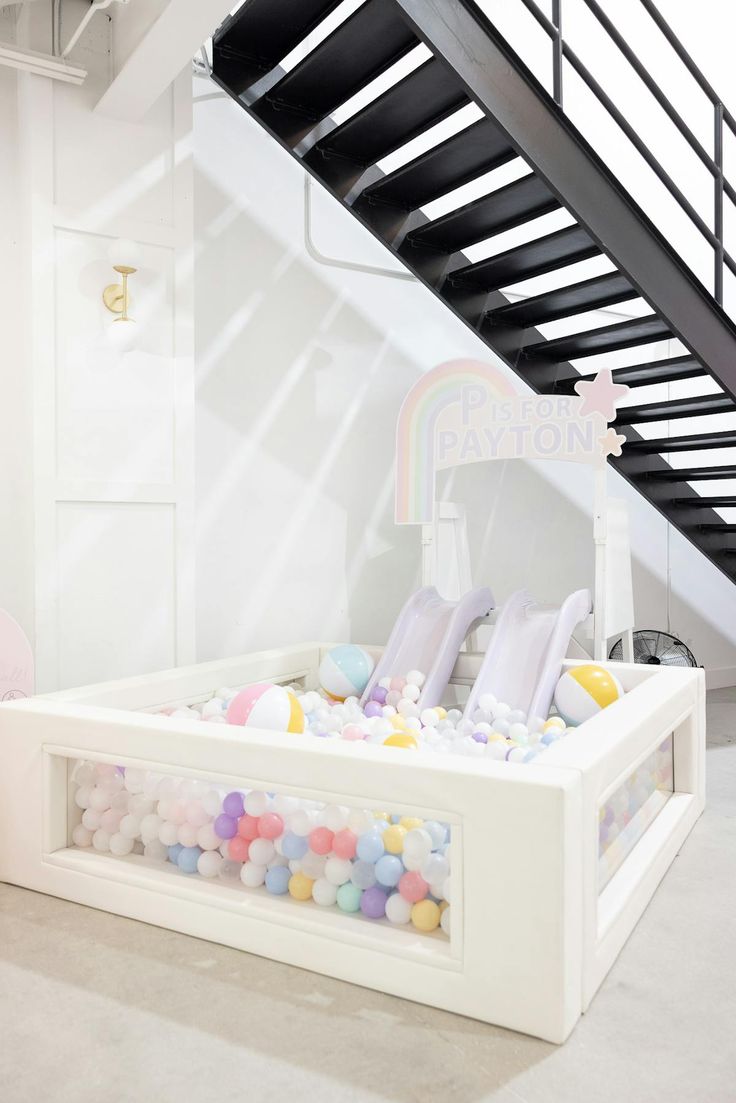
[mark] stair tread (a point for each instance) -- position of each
(621, 335)
(693, 442)
(717, 526)
(421, 99)
(356, 52)
(642, 375)
(674, 408)
(456, 161)
(264, 32)
(510, 206)
(694, 474)
(563, 302)
(713, 501)
(533, 258)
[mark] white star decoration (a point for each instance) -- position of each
(601, 396)
(611, 442)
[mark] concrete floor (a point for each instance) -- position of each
(97, 1009)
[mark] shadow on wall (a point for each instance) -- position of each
(298, 393)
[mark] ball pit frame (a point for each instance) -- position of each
(532, 938)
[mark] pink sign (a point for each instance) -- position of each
(16, 660)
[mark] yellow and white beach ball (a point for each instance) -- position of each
(584, 690)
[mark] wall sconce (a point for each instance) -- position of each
(116, 296)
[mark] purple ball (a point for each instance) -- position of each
(480, 737)
(379, 694)
(233, 805)
(373, 709)
(373, 903)
(226, 827)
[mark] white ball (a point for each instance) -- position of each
(209, 863)
(430, 718)
(324, 892)
(82, 836)
(150, 826)
(334, 817)
(91, 819)
(487, 702)
(338, 870)
(411, 692)
(415, 678)
(253, 875)
(519, 733)
(261, 852)
(417, 844)
(501, 711)
(130, 826)
(207, 839)
(134, 780)
(156, 851)
(82, 796)
(120, 844)
(101, 841)
(187, 834)
(454, 716)
(360, 821)
(256, 803)
(168, 834)
(385, 683)
(284, 804)
(313, 865)
(445, 921)
(398, 910)
(300, 822)
(435, 869)
(99, 799)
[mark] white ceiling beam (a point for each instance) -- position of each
(164, 38)
(43, 65)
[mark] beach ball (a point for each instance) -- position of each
(584, 690)
(345, 670)
(266, 706)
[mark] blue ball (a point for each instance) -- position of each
(174, 852)
(277, 880)
(370, 846)
(345, 671)
(294, 846)
(389, 869)
(188, 858)
(363, 874)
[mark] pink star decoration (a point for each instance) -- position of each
(611, 442)
(601, 396)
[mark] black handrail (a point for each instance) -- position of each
(721, 116)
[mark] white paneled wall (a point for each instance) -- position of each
(113, 404)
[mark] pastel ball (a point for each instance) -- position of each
(270, 825)
(188, 858)
(232, 805)
(345, 671)
(238, 849)
(413, 887)
(583, 691)
(398, 910)
(370, 846)
(393, 838)
(373, 903)
(363, 874)
(266, 706)
(425, 915)
(294, 846)
(300, 886)
(226, 826)
(348, 897)
(320, 840)
(277, 880)
(247, 827)
(344, 843)
(389, 870)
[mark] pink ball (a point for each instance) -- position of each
(397, 684)
(270, 825)
(237, 849)
(243, 703)
(320, 840)
(352, 731)
(344, 844)
(248, 827)
(413, 887)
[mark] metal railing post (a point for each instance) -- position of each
(557, 52)
(718, 201)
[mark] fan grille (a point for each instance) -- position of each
(656, 648)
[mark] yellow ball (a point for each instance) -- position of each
(496, 737)
(300, 886)
(401, 739)
(585, 690)
(555, 723)
(442, 713)
(425, 915)
(398, 722)
(382, 816)
(411, 822)
(393, 838)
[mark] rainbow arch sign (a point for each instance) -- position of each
(468, 411)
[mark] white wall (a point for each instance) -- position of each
(112, 448)
(300, 372)
(16, 484)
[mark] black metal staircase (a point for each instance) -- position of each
(462, 59)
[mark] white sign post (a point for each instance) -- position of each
(466, 411)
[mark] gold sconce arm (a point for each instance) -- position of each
(115, 295)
